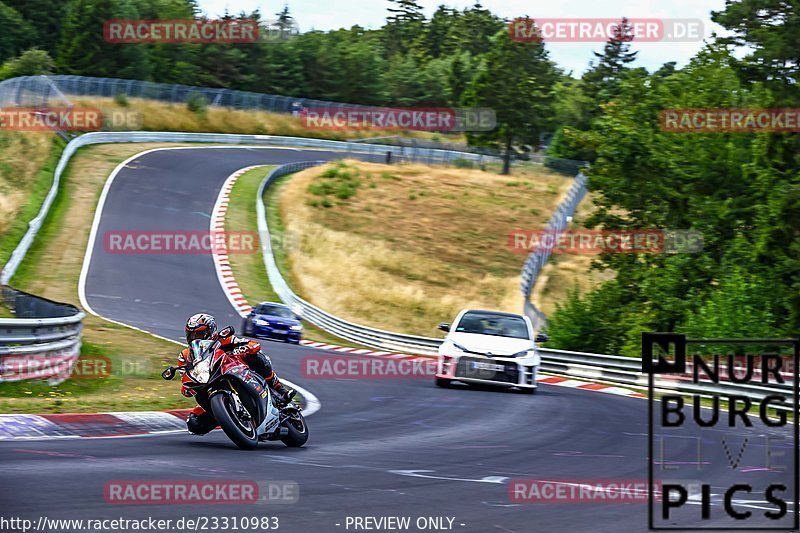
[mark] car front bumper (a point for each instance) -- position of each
(269, 332)
(506, 372)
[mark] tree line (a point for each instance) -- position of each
(741, 191)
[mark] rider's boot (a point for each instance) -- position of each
(262, 366)
(284, 395)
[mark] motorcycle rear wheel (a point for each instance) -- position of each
(236, 429)
(298, 431)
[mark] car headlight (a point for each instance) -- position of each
(260, 322)
(201, 371)
(298, 327)
(523, 353)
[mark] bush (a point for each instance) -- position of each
(196, 103)
(32, 62)
(121, 99)
(330, 173)
(463, 163)
(336, 181)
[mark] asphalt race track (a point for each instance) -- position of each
(377, 448)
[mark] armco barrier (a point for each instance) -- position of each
(593, 367)
(536, 260)
(39, 338)
(43, 332)
(59, 335)
(433, 156)
(39, 90)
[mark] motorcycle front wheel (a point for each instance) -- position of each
(241, 431)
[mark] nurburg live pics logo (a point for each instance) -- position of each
(728, 461)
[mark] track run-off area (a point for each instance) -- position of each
(377, 448)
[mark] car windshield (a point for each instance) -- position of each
(493, 324)
(275, 310)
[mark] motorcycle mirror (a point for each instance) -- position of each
(168, 374)
(226, 332)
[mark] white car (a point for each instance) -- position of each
(489, 347)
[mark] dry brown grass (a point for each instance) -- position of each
(565, 271)
(164, 116)
(22, 154)
(415, 244)
(52, 271)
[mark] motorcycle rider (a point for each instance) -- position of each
(203, 326)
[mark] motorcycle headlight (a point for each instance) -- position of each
(201, 371)
(260, 322)
(298, 327)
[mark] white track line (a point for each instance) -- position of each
(312, 402)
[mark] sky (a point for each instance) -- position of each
(334, 14)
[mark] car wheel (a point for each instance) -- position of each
(442, 382)
(528, 391)
(245, 330)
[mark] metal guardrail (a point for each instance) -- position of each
(627, 371)
(433, 156)
(39, 336)
(37, 90)
(43, 332)
(612, 369)
(536, 260)
(35, 339)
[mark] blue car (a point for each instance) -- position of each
(273, 321)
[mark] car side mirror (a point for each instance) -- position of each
(542, 337)
(444, 326)
(226, 332)
(168, 373)
(298, 318)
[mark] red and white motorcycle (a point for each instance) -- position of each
(238, 398)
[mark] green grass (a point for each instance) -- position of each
(131, 384)
(248, 269)
(120, 344)
(340, 181)
(120, 390)
(41, 186)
